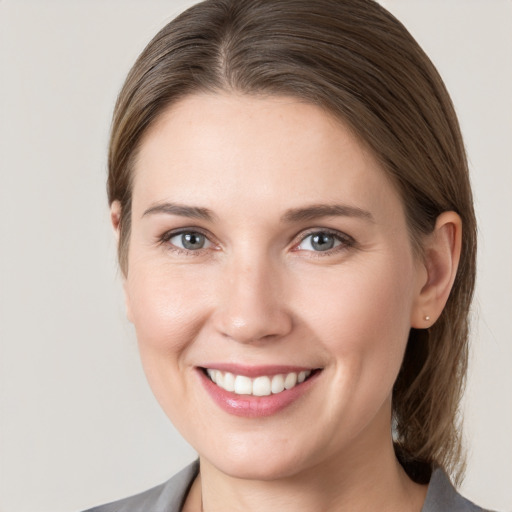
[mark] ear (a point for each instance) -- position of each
(441, 259)
(115, 219)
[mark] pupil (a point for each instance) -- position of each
(322, 242)
(192, 240)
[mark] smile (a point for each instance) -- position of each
(263, 385)
(256, 391)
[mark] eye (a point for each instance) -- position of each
(321, 241)
(189, 240)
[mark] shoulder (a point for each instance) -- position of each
(167, 497)
(442, 496)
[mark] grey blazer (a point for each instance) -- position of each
(170, 496)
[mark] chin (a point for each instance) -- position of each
(255, 464)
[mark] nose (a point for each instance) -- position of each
(252, 304)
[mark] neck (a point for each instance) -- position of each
(343, 483)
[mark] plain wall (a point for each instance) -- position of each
(78, 423)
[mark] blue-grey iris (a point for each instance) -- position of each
(193, 241)
(322, 241)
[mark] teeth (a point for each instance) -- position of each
(229, 382)
(263, 385)
(277, 384)
(290, 381)
(243, 385)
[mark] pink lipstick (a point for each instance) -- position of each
(256, 391)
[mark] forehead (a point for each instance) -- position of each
(238, 149)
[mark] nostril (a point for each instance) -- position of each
(254, 328)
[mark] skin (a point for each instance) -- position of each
(259, 294)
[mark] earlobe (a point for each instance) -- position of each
(441, 259)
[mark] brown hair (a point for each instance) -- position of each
(354, 59)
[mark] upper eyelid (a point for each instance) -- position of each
(339, 234)
(179, 231)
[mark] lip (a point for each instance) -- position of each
(255, 406)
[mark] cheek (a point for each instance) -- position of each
(165, 309)
(167, 312)
(372, 298)
(365, 321)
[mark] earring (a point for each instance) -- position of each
(427, 318)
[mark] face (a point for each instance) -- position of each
(271, 282)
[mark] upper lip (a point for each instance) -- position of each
(257, 370)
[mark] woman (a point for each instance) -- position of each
(296, 233)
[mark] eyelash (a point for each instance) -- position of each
(345, 241)
(166, 237)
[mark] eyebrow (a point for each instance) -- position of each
(325, 210)
(192, 212)
(303, 214)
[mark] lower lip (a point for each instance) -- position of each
(255, 406)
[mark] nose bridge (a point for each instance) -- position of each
(253, 305)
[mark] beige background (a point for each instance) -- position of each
(78, 424)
